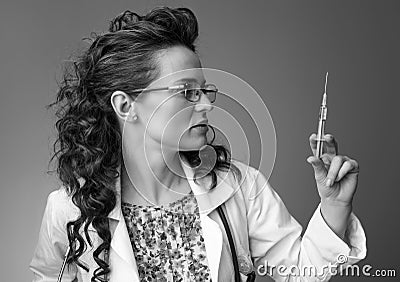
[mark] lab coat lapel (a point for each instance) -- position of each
(208, 200)
(213, 242)
(122, 259)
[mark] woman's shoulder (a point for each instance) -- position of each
(247, 171)
(60, 206)
(252, 181)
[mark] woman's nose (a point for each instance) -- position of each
(204, 104)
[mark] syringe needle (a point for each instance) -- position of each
(326, 81)
(324, 95)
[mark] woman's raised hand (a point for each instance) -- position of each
(336, 176)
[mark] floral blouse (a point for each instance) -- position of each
(167, 241)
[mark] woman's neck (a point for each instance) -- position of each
(154, 176)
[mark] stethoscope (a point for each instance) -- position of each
(250, 277)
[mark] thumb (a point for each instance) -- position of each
(319, 167)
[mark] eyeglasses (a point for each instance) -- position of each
(191, 93)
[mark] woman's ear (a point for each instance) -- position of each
(123, 106)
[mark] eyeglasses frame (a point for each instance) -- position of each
(185, 86)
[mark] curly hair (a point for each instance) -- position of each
(88, 143)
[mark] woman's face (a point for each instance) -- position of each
(167, 116)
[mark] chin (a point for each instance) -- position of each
(193, 144)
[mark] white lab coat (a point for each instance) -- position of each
(263, 230)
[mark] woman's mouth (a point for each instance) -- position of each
(201, 128)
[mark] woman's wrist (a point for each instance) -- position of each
(336, 215)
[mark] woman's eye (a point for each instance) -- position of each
(194, 93)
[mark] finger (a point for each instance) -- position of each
(331, 145)
(334, 168)
(313, 143)
(327, 159)
(349, 166)
(320, 170)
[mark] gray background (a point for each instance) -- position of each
(282, 49)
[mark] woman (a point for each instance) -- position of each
(129, 211)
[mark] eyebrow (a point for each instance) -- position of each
(189, 80)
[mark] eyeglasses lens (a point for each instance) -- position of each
(194, 94)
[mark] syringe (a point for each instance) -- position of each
(321, 122)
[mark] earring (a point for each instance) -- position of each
(134, 117)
